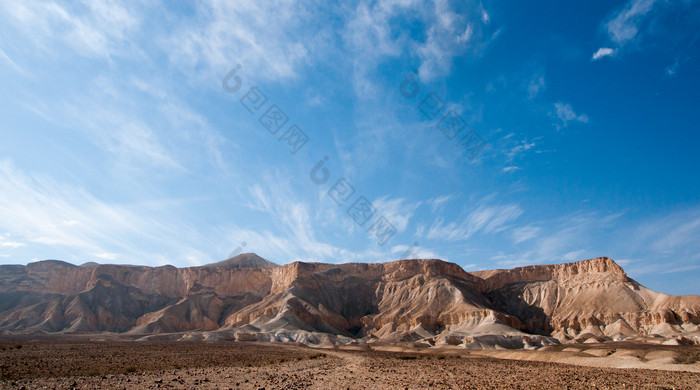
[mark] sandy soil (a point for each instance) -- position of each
(225, 365)
(612, 355)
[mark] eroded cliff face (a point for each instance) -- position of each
(356, 299)
(54, 296)
(591, 299)
(429, 301)
(495, 279)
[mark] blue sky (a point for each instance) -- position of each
(571, 133)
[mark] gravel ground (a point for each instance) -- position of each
(226, 365)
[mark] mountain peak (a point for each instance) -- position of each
(51, 262)
(244, 260)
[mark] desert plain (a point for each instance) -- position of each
(92, 362)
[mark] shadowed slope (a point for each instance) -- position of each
(431, 301)
(588, 299)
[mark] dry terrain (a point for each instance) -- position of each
(247, 298)
(80, 363)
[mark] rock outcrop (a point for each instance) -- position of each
(421, 301)
(591, 299)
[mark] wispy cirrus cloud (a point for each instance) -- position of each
(650, 245)
(635, 22)
(673, 235)
(447, 33)
(672, 69)
(300, 231)
(115, 128)
(536, 85)
(398, 211)
(518, 148)
(566, 238)
(415, 252)
(625, 24)
(525, 233)
(438, 203)
(484, 219)
(273, 38)
(171, 136)
(42, 211)
(565, 114)
(19, 69)
(95, 29)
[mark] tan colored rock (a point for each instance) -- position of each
(409, 300)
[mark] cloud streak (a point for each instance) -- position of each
(602, 52)
(93, 29)
(447, 33)
(484, 219)
(624, 26)
(565, 114)
(37, 208)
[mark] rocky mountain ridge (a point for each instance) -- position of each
(422, 301)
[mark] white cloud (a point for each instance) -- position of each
(511, 169)
(602, 52)
(12, 64)
(283, 248)
(637, 20)
(414, 252)
(168, 136)
(525, 233)
(522, 146)
(269, 39)
(535, 86)
(664, 243)
(673, 234)
(684, 268)
(136, 141)
(131, 141)
(485, 219)
(36, 207)
(485, 18)
(466, 35)
(371, 36)
(12, 244)
(437, 204)
(420, 230)
(576, 236)
(672, 69)
(565, 113)
(106, 256)
(95, 28)
(625, 262)
(397, 211)
(298, 233)
(624, 26)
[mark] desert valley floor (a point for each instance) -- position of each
(247, 323)
(32, 363)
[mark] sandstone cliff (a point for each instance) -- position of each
(591, 299)
(427, 301)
